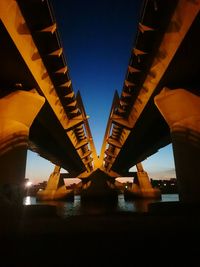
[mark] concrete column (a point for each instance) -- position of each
(55, 188)
(142, 177)
(142, 187)
(99, 188)
(17, 112)
(181, 110)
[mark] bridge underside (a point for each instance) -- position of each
(34, 73)
(47, 136)
(151, 132)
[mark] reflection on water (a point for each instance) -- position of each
(139, 205)
(71, 208)
(170, 197)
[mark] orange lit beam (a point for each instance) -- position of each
(108, 128)
(185, 12)
(13, 20)
(87, 128)
(184, 15)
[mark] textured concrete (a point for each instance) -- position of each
(181, 110)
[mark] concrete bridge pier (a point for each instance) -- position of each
(141, 188)
(181, 110)
(99, 188)
(55, 188)
(17, 112)
(145, 188)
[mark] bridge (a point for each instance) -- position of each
(158, 104)
(37, 94)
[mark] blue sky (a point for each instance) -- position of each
(97, 37)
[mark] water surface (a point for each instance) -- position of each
(74, 207)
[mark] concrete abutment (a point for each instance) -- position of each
(181, 110)
(17, 112)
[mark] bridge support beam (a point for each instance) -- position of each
(56, 188)
(17, 112)
(181, 110)
(99, 188)
(142, 188)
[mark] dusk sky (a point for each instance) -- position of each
(97, 37)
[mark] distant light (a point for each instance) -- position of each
(126, 186)
(28, 184)
(18, 85)
(27, 200)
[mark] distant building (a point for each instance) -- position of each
(166, 186)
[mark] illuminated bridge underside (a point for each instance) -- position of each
(165, 54)
(32, 60)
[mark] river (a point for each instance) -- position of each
(74, 207)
